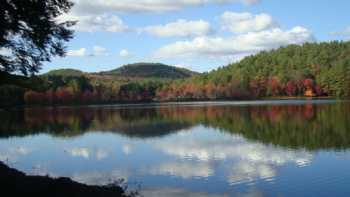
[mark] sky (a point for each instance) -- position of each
(201, 35)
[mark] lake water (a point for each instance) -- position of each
(245, 149)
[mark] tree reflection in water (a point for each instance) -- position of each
(310, 126)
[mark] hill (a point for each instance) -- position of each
(137, 71)
(150, 70)
(130, 83)
(311, 69)
(65, 73)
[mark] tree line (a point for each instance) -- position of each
(311, 70)
(83, 90)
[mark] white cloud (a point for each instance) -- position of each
(186, 66)
(100, 15)
(99, 51)
(96, 51)
(79, 152)
(93, 23)
(101, 177)
(102, 6)
(180, 28)
(246, 22)
(248, 43)
(344, 33)
(88, 153)
(249, 161)
(127, 149)
(237, 148)
(101, 154)
(89, 176)
(347, 31)
(246, 171)
(184, 169)
(22, 150)
(77, 53)
(13, 154)
(124, 53)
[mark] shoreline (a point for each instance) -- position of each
(17, 183)
(268, 100)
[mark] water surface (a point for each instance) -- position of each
(255, 149)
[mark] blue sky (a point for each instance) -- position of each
(196, 34)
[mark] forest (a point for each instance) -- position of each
(308, 70)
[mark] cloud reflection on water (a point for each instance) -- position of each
(12, 154)
(183, 169)
(178, 192)
(88, 153)
(246, 161)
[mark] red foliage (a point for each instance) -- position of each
(275, 86)
(210, 91)
(32, 97)
(64, 96)
(291, 88)
(258, 87)
(163, 95)
(50, 96)
(308, 83)
(318, 90)
(87, 97)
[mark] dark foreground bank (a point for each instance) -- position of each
(15, 183)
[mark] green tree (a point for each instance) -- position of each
(31, 33)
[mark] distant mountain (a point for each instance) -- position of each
(65, 73)
(137, 71)
(151, 70)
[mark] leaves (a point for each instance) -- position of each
(31, 33)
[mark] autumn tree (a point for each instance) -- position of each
(291, 88)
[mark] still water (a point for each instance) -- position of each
(245, 149)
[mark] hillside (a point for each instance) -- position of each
(150, 70)
(65, 73)
(129, 83)
(133, 71)
(312, 69)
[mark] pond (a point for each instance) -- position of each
(210, 149)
